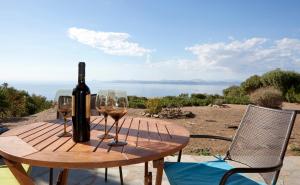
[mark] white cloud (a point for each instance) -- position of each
(112, 43)
(232, 60)
(241, 58)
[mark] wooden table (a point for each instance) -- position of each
(38, 145)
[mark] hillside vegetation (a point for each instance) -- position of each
(269, 90)
(17, 103)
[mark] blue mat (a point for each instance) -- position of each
(206, 173)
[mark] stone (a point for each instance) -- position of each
(188, 114)
(155, 115)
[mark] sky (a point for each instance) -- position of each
(147, 40)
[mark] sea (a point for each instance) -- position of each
(138, 89)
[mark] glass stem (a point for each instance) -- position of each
(65, 122)
(105, 125)
(117, 139)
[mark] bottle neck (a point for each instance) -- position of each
(81, 79)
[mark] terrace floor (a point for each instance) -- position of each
(134, 174)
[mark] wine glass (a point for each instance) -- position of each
(118, 110)
(103, 105)
(65, 107)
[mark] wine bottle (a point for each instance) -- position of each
(81, 108)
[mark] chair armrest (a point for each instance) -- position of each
(249, 170)
(210, 137)
(204, 136)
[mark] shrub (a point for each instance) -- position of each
(251, 84)
(137, 102)
(4, 104)
(267, 97)
(233, 91)
(198, 96)
(243, 100)
(184, 95)
(219, 102)
(292, 95)
(16, 103)
(154, 106)
(282, 80)
(36, 103)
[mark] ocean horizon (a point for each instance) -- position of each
(137, 88)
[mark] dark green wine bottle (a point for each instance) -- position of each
(81, 108)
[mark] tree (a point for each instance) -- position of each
(4, 105)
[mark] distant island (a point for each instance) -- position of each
(179, 82)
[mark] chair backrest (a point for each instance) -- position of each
(262, 139)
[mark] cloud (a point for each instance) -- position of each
(232, 60)
(241, 58)
(112, 43)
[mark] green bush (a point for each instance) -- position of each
(199, 96)
(233, 91)
(4, 104)
(154, 106)
(243, 100)
(282, 80)
(137, 102)
(183, 95)
(36, 103)
(267, 97)
(16, 103)
(251, 84)
(219, 102)
(292, 96)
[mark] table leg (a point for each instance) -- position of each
(50, 176)
(159, 164)
(63, 177)
(147, 175)
(19, 172)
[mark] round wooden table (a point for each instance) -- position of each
(38, 145)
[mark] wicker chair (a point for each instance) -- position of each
(260, 144)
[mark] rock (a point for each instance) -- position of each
(148, 115)
(215, 106)
(188, 114)
(155, 115)
(143, 113)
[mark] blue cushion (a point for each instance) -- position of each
(206, 173)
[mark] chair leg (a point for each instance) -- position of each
(105, 175)
(50, 176)
(179, 156)
(121, 175)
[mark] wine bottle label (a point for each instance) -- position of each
(73, 105)
(88, 106)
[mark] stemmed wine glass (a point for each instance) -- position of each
(103, 105)
(119, 109)
(65, 108)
